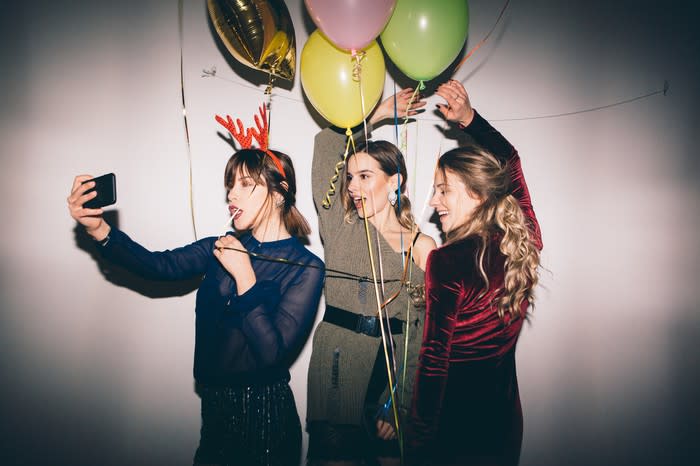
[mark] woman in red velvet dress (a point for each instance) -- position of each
(479, 285)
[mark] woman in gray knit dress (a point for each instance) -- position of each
(350, 421)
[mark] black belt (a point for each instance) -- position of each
(367, 325)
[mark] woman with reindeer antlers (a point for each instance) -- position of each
(357, 392)
(255, 305)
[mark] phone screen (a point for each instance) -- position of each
(106, 187)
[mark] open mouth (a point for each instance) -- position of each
(358, 203)
(235, 211)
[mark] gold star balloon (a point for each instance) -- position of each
(258, 33)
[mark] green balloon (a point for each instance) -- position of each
(423, 37)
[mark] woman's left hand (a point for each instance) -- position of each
(459, 108)
(235, 259)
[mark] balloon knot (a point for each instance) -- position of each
(357, 67)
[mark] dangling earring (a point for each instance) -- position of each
(393, 197)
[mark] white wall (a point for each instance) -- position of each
(95, 372)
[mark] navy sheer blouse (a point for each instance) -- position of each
(242, 339)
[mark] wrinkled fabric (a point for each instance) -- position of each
(238, 339)
(341, 361)
(244, 344)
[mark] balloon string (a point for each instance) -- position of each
(407, 333)
(381, 281)
(386, 339)
(379, 251)
(357, 76)
(483, 41)
(326, 203)
(184, 116)
(398, 170)
(663, 91)
(341, 273)
(381, 321)
(211, 73)
(404, 127)
(268, 105)
(396, 118)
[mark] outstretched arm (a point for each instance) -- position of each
(118, 248)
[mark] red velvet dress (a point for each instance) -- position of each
(466, 404)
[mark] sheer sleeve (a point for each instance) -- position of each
(177, 264)
(277, 322)
(493, 141)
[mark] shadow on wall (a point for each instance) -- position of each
(122, 277)
(661, 430)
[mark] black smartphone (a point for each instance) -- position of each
(106, 187)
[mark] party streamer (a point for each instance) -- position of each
(184, 116)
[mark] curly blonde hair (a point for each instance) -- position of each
(497, 216)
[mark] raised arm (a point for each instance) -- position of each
(329, 146)
(459, 110)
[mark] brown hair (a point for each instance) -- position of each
(391, 162)
(499, 212)
(262, 169)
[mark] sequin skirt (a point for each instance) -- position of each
(256, 425)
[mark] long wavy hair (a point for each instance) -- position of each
(391, 162)
(497, 216)
(260, 167)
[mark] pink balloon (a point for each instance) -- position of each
(350, 24)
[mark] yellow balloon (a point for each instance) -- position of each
(258, 33)
(330, 75)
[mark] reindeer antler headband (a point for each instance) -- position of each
(245, 137)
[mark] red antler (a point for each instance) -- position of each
(245, 137)
(262, 134)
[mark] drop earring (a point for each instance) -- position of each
(393, 197)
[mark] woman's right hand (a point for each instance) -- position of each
(91, 219)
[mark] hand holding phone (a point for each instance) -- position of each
(106, 187)
(79, 201)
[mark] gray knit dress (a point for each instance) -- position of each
(342, 359)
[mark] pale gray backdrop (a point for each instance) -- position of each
(96, 369)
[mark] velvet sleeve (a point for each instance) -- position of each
(177, 264)
(493, 141)
(443, 295)
(274, 322)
